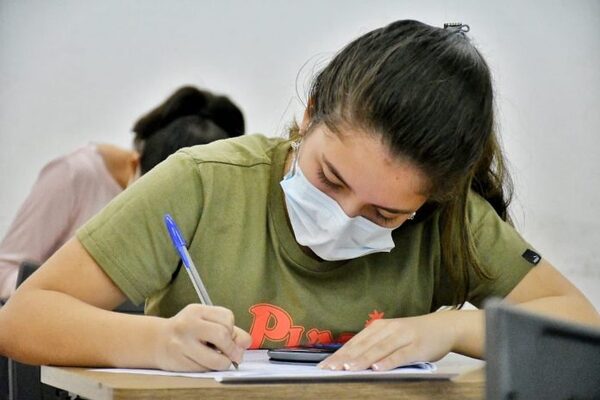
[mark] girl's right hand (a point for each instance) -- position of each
(200, 338)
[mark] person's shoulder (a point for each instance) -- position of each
(67, 159)
(480, 211)
(86, 165)
(76, 165)
(243, 151)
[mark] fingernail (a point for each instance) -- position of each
(350, 366)
(375, 367)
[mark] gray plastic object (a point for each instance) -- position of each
(534, 357)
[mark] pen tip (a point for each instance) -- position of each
(235, 365)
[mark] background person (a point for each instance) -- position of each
(72, 188)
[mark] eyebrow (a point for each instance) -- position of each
(339, 177)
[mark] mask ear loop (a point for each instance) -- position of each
(296, 150)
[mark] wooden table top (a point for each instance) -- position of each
(95, 385)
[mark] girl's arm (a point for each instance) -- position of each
(388, 343)
(61, 316)
(544, 290)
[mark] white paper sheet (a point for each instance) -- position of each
(256, 367)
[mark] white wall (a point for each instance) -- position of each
(76, 71)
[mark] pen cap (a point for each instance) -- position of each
(174, 232)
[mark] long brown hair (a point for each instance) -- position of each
(428, 93)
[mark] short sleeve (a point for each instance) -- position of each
(502, 252)
(128, 238)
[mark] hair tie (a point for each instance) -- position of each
(457, 27)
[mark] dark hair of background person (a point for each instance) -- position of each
(186, 118)
(427, 92)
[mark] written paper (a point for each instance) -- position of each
(256, 367)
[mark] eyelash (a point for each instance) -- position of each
(326, 181)
(383, 219)
(334, 186)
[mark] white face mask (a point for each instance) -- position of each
(320, 223)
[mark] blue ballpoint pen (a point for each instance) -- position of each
(180, 245)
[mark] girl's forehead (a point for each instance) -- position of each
(365, 162)
(361, 142)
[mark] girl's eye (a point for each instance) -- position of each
(327, 182)
(383, 219)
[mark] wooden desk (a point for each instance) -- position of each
(470, 384)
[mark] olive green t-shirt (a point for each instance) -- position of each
(227, 200)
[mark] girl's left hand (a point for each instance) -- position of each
(388, 343)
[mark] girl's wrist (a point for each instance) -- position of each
(467, 331)
(143, 342)
(157, 334)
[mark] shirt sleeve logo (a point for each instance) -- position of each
(531, 257)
